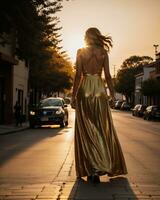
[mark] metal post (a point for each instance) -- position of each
(156, 51)
(114, 75)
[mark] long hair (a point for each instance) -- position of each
(94, 37)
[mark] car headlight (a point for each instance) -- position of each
(32, 113)
(59, 111)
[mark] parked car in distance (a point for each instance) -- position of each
(135, 109)
(118, 104)
(111, 103)
(141, 110)
(49, 111)
(138, 110)
(125, 106)
(152, 112)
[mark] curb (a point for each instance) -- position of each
(14, 131)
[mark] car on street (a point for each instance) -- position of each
(138, 110)
(111, 103)
(67, 100)
(118, 104)
(125, 106)
(50, 111)
(152, 112)
(135, 109)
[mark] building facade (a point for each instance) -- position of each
(13, 84)
(150, 71)
(20, 86)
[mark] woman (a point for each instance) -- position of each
(97, 149)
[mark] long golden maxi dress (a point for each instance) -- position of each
(97, 149)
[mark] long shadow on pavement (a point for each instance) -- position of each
(13, 144)
(113, 189)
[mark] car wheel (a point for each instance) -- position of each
(66, 123)
(62, 124)
(147, 118)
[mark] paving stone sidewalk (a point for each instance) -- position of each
(65, 186)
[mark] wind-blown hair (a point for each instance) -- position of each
(94, 37)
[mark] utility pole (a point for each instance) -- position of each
(156, 51)
(114, 75)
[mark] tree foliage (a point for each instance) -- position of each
(136, 62)
(54, 76)
(31, 26)
(151, 87)
(125, 80)
(32, 23)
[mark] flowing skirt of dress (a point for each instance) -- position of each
(97, 148)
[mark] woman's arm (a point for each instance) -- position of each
(77, 78)
(108, 76)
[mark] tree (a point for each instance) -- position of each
(136, 62)
(53, 76)
(32, 24)
(151, 87)
(125, 80)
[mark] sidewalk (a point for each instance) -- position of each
(65, 186)
(11, 128)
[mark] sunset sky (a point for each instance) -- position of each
(133, 25)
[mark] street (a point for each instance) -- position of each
(39, 163)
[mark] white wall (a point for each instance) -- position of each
(20, 77)
(147, 71)
(20, 81)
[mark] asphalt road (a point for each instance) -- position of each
(140, 140)
(45, 155)
(34, 155)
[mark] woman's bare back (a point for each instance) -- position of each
(92, 60)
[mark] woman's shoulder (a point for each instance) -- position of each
(82, 51)
(79, 51)
(85, 51)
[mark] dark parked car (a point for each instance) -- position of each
(50, 111)
(138, 110)
(125, 106)
(152, 112)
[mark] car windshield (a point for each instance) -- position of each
(137, 106)
(50, 102)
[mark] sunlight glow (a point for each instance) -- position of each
(73, 43)
(120, 19)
